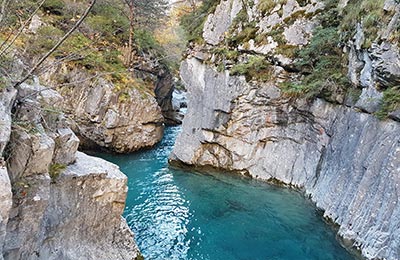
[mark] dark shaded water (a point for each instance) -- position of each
(177, 214)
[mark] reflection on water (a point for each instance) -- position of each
(187, 215)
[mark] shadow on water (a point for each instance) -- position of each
(181, 214)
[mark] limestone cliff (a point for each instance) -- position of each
(56, 203)
(252, 110)
(103, 116)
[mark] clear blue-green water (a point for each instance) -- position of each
(178, 214)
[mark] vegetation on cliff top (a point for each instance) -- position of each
(321, 66)
(114, 40)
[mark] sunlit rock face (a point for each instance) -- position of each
(337, 155)
(335, 149)
(117, 121)
(55, 202)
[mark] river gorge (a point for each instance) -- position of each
(289, 147)
(187, 215)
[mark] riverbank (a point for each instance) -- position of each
(181, 214)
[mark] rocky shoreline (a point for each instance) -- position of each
(334, 148)
(56, 202)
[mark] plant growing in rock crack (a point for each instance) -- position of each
(256, 68)
(55, 170)
(390, 102)
(322, 62)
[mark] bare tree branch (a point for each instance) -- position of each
(36, 66)
(21, 29)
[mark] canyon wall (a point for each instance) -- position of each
(330, 145)
(56, 203)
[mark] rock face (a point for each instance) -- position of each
(338, 156)
(219, 22)
(5, 204)
(87, 224)
(164, 92)
(120, 121)
(7, 97)
(57, 203)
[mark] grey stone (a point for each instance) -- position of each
(333, 153)
(395, 115)
(218, 23)
(7, 97)
(370, 100)
(386, 63)
(355, 66)
(36, 23)
(111, 119)
(343, 3)
(262, 49)
(5, 204)
(88, 224)
(103, 117)
(299, 32)
(366, 73)
(76, 216)
(290, 8)
(66, 146)
(359, 38)
(269, 21)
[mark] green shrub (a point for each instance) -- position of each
(56, 169)
(257, 68)
(265, 6)
(145, 41)
(368, 12)
(139, 257)
(323, 65)
(390, 102)
(55, 7)
(44, 40)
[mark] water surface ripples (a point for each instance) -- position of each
(190, 216)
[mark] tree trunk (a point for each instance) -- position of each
(131, 31)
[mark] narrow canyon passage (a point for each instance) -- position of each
(178, 214)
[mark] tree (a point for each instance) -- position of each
(58, 44)
(9, 41)
(142, 13)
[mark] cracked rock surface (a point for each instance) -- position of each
(348, 162)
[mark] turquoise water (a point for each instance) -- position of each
(184, 215)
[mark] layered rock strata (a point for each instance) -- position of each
(339, 153)
(120, 121)
(56, 203)
(347, 162)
